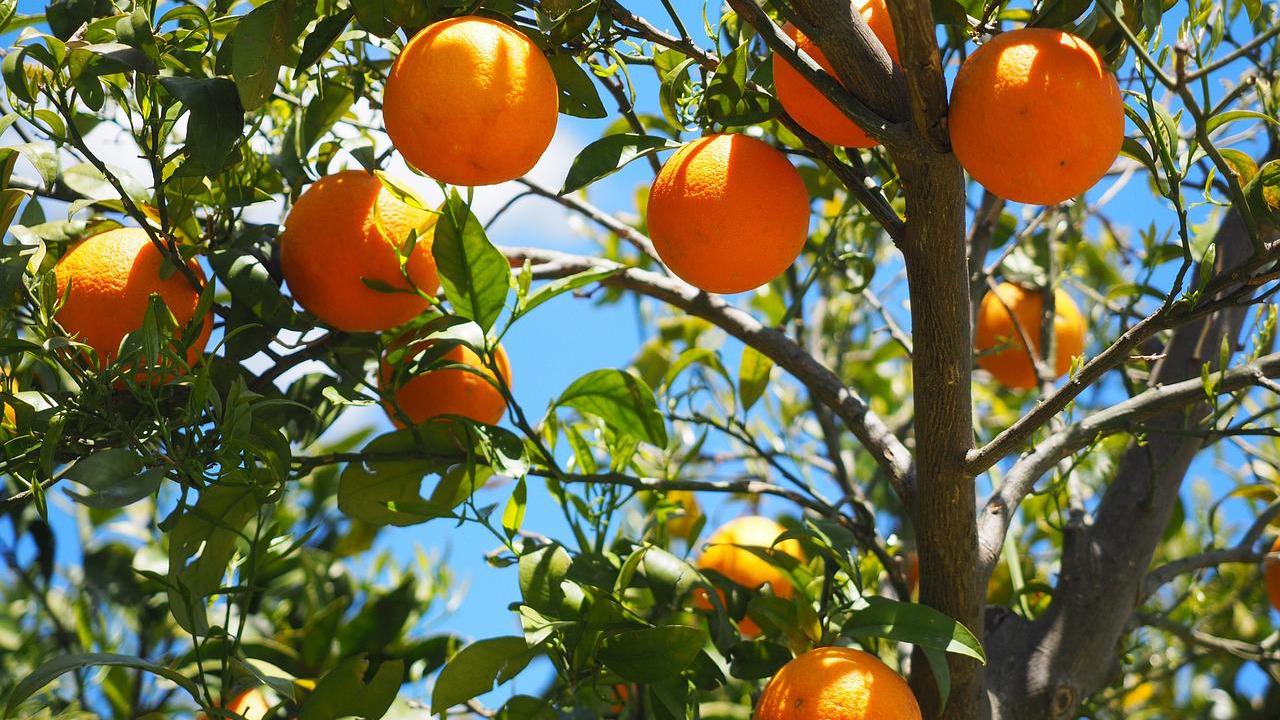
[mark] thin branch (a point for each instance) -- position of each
(887, 450)
(1020, 480)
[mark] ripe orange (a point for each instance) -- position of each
(837, 683)
(996, 329)
(1271, 577)
(251, 704)
(726, 554)
(450, 391)
(346, 228)
(1035, 116)
(112, 276)
(10, 415)
(471, 101)
(806, 104)
(728, 213)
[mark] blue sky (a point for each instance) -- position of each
(569, 337)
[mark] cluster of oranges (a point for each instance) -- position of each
(469, 101)
(472, 101)
(828, 682)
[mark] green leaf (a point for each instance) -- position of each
(386, 491)
(216, 119)
(541, 573)
(53, 669)
(1230, 116)
(320, 39)
(609, 154)
(513, 515)
(343, 693)
(728, 98)
(252, 286)
(261, 43)
(578, 94)
(563, 285)
(753, 376)
(478, 668)
(325, 109)
(757, 659)
(652, 654)
(201, 544)
(527, 707)
(622, 400)
(114, 477)
(916, 624)
(475, 275)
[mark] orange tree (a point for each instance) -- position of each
(1000, 357)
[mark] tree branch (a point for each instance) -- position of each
(885, 448)
(1020, 480)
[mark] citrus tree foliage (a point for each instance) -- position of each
(226, 546)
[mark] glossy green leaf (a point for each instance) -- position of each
(478, 668)
(475, 275)
(622, 400)
(609, 154)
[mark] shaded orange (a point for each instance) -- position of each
(1012, 366)
(728, 213)
(471, 101)
(837, 683)
(450, 391)
(346, 227)
(1271, 576)
(806, 104)
(250, 704)
(726, 554)
(1035, 116)
(112, 276)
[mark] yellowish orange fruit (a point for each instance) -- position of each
(726, 553)
(450, 391)
(112, 276)
(806, 104)
(837, 683)
(996, 328)
(728, 213)
(1271, 577)
(471, 101)
(347, 229)
(681, 526)
(1036, 116)
(250, 704)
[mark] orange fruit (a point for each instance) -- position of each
(806, 104)
(344, 229)
(250, 704)
(913, 572)
(726, 554)
(1035, 116)
(112, 276)
(10, 415)
(728, 213)
(996, 328)
(681, 526)
(1271, 577)
(837, 683)
(471, 101)
(450, 391)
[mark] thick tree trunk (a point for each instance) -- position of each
(946, 536)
